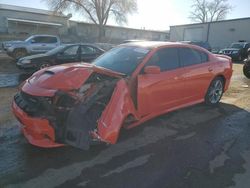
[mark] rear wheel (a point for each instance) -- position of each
(246, 71)
(214, 92)
(18, 53)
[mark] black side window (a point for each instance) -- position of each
(166, 59)
(87, 50)
(44, 40)
(190, 56)
(204, 57)
(50, 40)
(37, 40)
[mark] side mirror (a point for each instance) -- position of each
(152, 70)
(32, 41)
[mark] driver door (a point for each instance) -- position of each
(162, 91)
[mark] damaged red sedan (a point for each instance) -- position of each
(79, 104)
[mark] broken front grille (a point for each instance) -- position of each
(33, 105)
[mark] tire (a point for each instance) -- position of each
(214, 92)
(246, 71)
(19, 53)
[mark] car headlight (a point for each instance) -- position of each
(235, 52)
(10, 49)
(25, 61)
(7, 45)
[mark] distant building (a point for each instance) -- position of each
(19, 22)
(22, 20)
(219, 33)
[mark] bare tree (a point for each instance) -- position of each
(97, 11)
(209, 10)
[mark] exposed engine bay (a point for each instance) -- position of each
(73, 114)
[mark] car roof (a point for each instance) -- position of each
(155, 44)
(82, 44)
(72, 44)
(44, 35)
(150, 44)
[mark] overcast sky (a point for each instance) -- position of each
(153, 14)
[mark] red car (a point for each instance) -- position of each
(78, 104)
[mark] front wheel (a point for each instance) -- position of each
(246, 71)
(19, 53)
(214, 92)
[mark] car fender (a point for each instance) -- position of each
(118, 108)
(18, 46)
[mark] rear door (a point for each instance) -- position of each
(198, 73)
(157, 92)
(36, 45)
(49, 43)
(69, 55)
(88, 53)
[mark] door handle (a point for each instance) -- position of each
(210, 69)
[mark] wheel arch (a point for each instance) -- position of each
(20, 48)
(223, 79)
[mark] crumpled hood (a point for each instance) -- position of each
(64, 77)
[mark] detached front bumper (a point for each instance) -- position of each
(37, 131)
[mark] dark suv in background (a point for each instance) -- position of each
(237, 50)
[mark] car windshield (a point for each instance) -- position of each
(122, 59)
(55, 50)
(29, 38)
(237, 45)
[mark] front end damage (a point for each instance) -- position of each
(95, 111)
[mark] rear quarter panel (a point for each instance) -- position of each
(223, 67)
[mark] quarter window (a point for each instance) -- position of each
(166, 59)
(190, 56)
(87, 50)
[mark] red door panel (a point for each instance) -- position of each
(158, 92)
(197, 80)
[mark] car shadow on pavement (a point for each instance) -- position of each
(206, 129)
